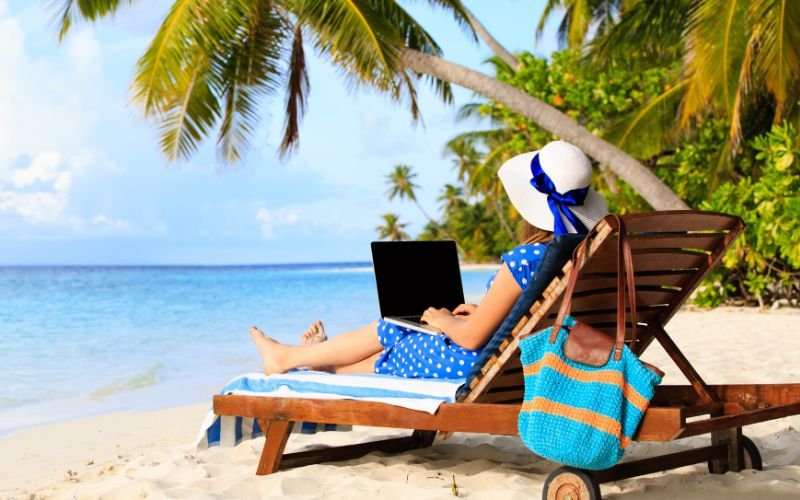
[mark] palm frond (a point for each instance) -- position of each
(191, 25)
(717, 37)
(579, 23)
(459, 12)
(358, 40)
(416, 37)
(779, 51)
(469, 110)
(191, 112)
(644, 131)
(68, 11)
(549, 7)
(653, 29)
(249, 67)
(297, 87)
(743, 92)
(604, 13)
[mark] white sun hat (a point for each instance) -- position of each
(553, 180)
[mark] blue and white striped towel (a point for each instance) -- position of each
(416, 394)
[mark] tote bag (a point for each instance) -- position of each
(585, 392)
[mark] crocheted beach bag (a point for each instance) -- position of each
(585, 392)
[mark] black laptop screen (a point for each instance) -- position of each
(414, 275)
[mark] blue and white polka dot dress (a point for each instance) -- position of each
(412, 354)
(522, 262)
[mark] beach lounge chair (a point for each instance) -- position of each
(672, 252)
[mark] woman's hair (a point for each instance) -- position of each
(532, 234)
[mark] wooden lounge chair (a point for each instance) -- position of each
(672, 252)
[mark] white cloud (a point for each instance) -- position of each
(43, 168)
(111, 225)
(46, 122)
(84, 51)
(269, 220)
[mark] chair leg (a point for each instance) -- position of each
(277, 434)
(735, 459)
(424, 438)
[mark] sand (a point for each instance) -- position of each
(139, 455)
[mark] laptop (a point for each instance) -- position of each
(412, 276)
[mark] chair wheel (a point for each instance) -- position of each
(569, 483)
(752, 457)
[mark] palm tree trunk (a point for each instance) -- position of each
(650, 187)
(492, 42)
(498, 208)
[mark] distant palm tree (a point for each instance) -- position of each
(212, 60)
(465, 155)
(480, 169)
(451, 198)
(401, 185)
(392, 229)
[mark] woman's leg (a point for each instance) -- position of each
(350, 350)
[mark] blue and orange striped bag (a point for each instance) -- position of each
(585, 392)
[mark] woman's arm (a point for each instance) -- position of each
(474, 330)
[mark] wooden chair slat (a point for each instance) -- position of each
(589, 282)
(705, 241)
(608, 299)
(679, 221)
(511, 397)
(593, 317)
(651, 261)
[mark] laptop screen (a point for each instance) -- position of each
(414, 275)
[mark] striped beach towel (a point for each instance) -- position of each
(416, 394)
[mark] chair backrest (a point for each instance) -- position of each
(558, 253)
(672, 252)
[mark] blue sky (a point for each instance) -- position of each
(82, 181)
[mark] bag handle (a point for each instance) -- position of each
(625, 280)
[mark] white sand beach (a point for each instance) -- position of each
(139, 455)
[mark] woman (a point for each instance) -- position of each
(550, 190)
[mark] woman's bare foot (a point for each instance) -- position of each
(314, 335)
(273, 353)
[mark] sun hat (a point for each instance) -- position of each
(550, 188)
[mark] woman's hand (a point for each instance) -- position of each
(437, 318)
(465, 309)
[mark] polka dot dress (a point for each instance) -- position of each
(412, 354)
(522, 262)
(409, 353)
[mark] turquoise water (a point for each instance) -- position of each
(78, 341)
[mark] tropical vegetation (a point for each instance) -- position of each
(690, 88)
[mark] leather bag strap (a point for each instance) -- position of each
(578, 259)
(625, 280)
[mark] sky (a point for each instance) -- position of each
(82, 181)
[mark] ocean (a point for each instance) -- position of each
(81, 341)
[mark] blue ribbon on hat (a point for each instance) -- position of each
(559, 203)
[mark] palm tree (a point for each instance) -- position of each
(392, 229)
(741, 62)
(479, 170)
(451, 198)
(211, 62)
(401, 185)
